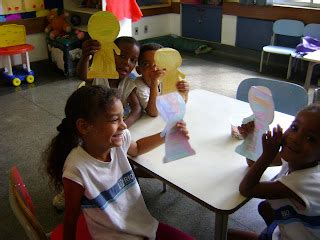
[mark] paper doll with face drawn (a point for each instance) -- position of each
(169, 59)
(104, 27)
(172, 108)
(261, 103)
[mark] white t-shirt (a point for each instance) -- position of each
(294, 220)
(143, 92)
(112, 204)
(125, 86)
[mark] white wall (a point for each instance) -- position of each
(228, 30)
(158, 25)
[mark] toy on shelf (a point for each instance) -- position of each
(12, 42)
(58, 25)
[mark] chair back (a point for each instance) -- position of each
(22, 207)
(288, 97)
(288, 27)
(312, 30)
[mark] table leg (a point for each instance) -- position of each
(221, 226)
(309, 75)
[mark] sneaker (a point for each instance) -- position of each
(58, 201)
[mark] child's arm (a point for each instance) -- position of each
(151, 108)
(183, 87)
(135, 108)
(73, 193)
(251, 186)
(146, 144)
(89, 48)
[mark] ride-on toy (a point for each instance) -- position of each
(13, 42)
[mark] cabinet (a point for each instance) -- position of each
(201, 22)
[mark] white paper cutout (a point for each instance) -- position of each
(262, 105)
(172, 108)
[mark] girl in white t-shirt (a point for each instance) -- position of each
(292, 209)
(89, 158)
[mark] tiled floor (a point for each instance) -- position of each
(30, 114)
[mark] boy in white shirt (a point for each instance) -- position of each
(149, 81)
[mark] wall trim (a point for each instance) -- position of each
(307, 15)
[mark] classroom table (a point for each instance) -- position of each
(314, 59)
(212, 176)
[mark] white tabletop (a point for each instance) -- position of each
(212, 176)
(313, 56)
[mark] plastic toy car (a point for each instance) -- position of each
(18, 76)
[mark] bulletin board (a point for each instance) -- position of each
(20, 6)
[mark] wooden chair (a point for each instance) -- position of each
(22, 207)
(288, 97)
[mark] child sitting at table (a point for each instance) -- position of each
(125, 63)
(89, 157)
(293, 197)
(149, 81)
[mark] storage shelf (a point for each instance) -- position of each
(83, 10)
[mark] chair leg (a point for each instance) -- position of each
(261, 61)
(164, 187)
(268, 59)
(289, 67)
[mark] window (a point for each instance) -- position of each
(302, 3)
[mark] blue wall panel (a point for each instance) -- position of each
(253, 33)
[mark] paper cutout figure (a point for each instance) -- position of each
(104, 27)
(261, 103)
(169, 59)
(172, 108)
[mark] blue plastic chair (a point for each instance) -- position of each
(288, 97)
(286, 27)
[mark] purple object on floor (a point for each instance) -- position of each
(13, 17)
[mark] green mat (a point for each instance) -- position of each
(180, 43)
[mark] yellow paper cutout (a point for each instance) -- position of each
(104, 27)
(12, 35)
(169, 59)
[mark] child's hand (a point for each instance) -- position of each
(90, 47)
(183, 86)
(181, 125)
(271, 143)
(246, 129)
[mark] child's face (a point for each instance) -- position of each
(147, 67)
(301, 144)
(126, 61)
(107, 129)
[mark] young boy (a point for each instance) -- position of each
(125, 63)
(148, 83)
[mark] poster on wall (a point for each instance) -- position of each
(19, 6)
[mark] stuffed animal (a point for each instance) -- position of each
(58, 25)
